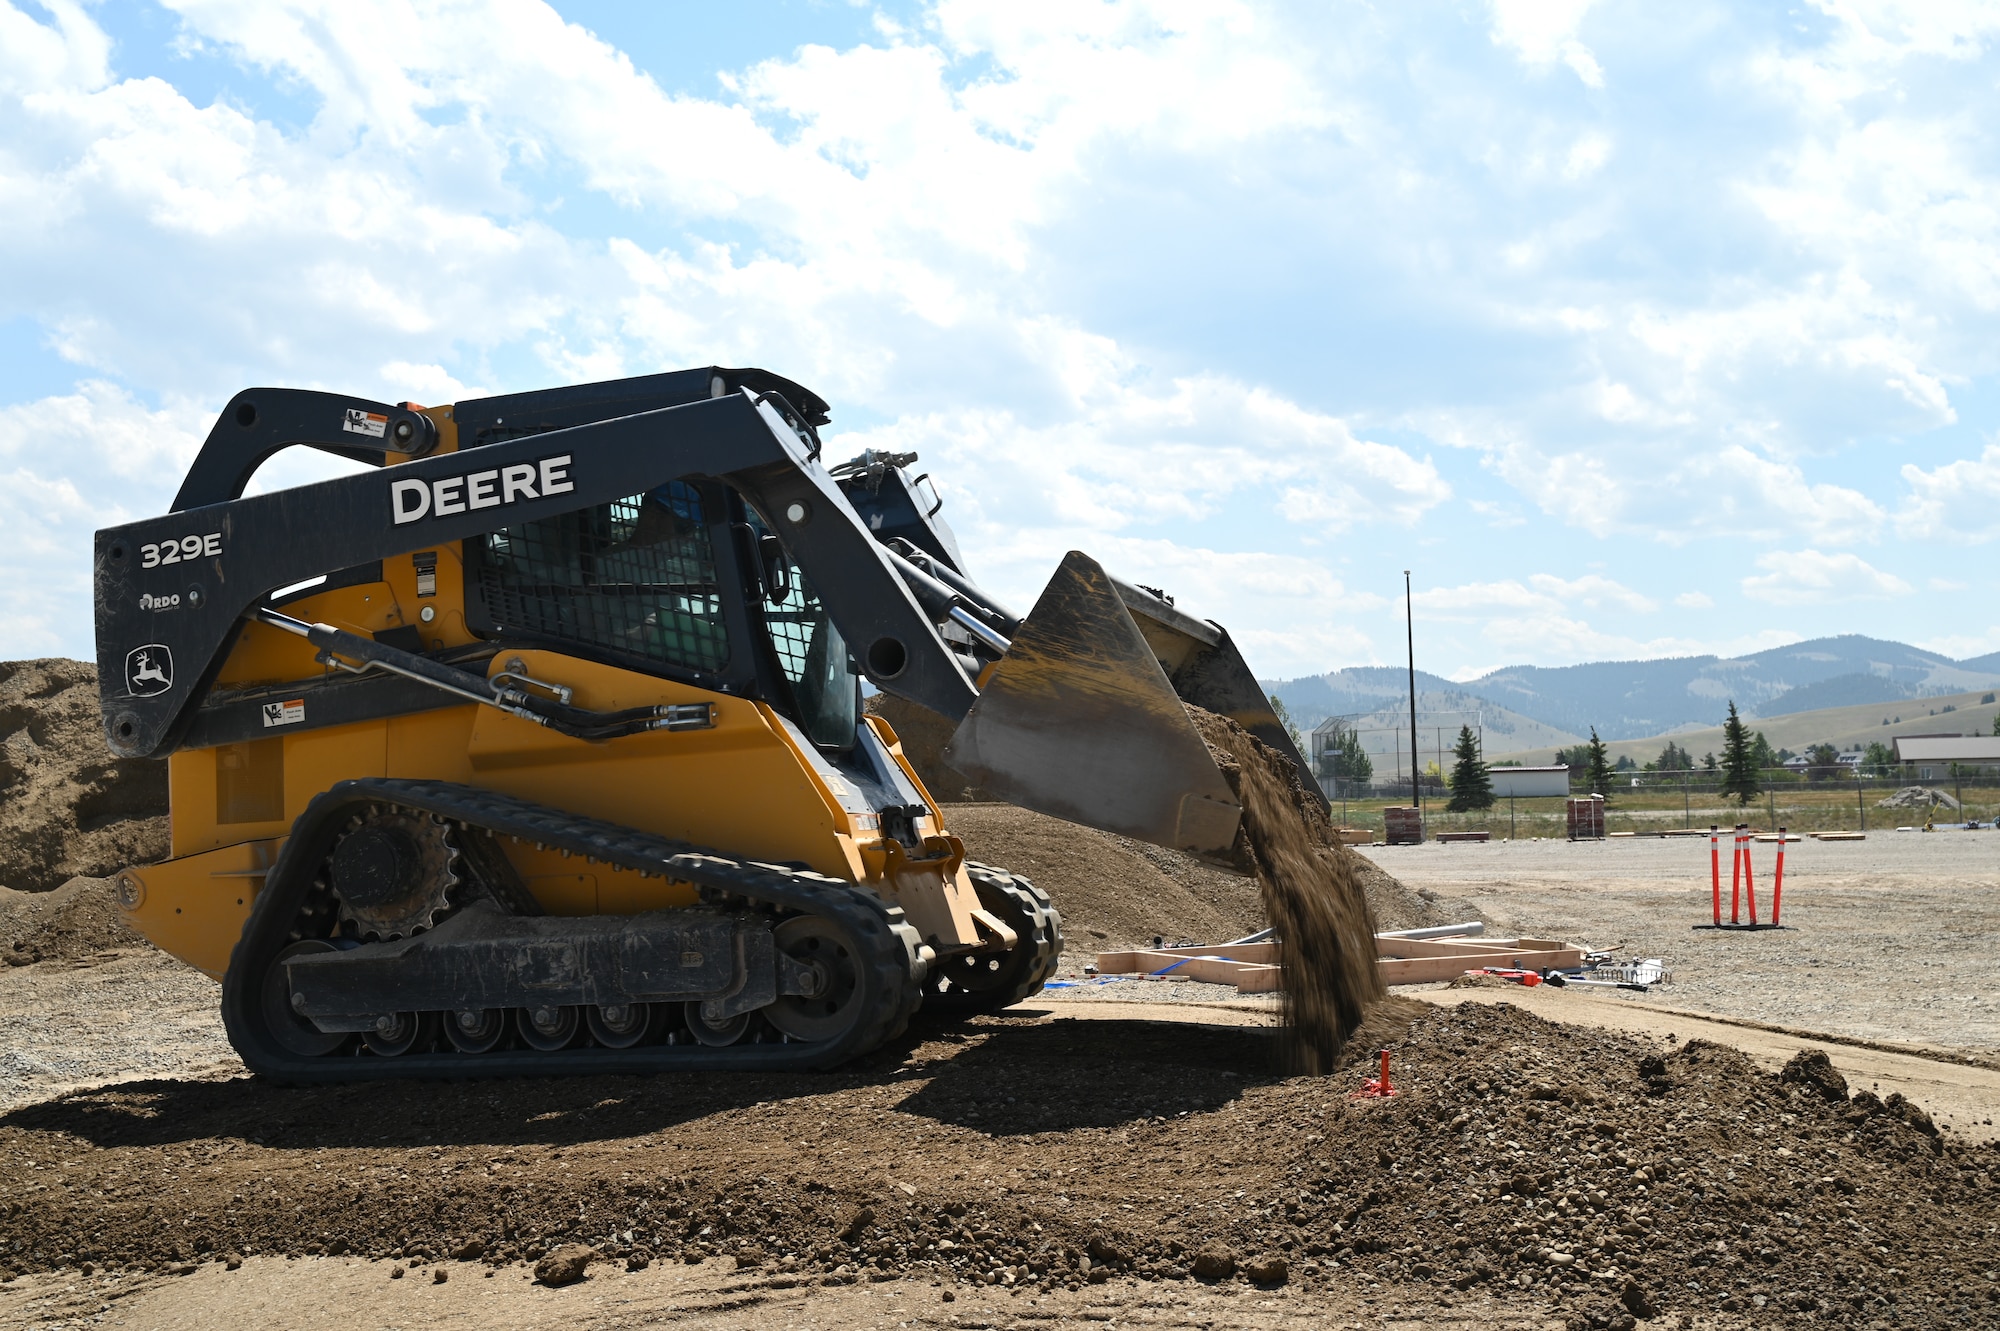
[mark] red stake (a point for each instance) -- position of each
(1778, 883)
(1715, 870)
(1736, 880)
(1371, 1090)
(1749, 879)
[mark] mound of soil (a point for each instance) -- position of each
(923, 735)
(1918, 797)
(69, 809)
(75, 922)
(1572, 1173)
(1110, 891)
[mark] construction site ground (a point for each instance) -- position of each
(1552, 1158)
(1892, 938)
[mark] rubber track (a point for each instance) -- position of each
(891, 947)
(1045, 930)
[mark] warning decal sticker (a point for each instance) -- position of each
(284, 713)
(365, 422)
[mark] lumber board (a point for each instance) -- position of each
(1254, 967)
(1455, 947)
(1425, 970)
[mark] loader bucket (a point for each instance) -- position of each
(1082, 718)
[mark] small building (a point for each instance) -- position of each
(1529, 782)
(1934, 755)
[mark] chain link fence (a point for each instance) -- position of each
(1819, 800)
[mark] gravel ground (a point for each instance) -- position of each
(1892, 938)
(64, 1026)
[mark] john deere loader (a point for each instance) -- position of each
(538, 746)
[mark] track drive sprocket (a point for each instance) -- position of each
(393, 872)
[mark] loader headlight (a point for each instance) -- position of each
(131, 892)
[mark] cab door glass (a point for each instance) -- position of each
(811, 654)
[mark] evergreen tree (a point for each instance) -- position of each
(1708, 763)
(1761, 754)
(1577, 759)
(1284, 716)
(1471, 787)
(1597, 774)
(1673, 758)
(1739, 767)
(1879, 758)
(1344, 761)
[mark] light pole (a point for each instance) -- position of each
(1410, 630)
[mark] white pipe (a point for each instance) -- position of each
(1470, 929)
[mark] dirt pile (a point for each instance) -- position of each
(77, 921)
(1110, 891)
(1918, 797)
(923, 735)
(1311, 891)
(1578, 1173)
(68, 808)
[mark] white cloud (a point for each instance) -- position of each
(120, 461)
(1695, 601)
(1964, 646)
(1540, 619)
(1543, 32)
(1956, 501)
(1809, 577)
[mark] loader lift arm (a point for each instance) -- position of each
(275, 540)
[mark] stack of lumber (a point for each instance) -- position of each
(1257, 968)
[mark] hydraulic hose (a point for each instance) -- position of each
(338, 648)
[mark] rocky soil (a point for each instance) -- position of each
(1593, 1176)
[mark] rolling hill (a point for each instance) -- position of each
(1631, 700)
(1843, 727)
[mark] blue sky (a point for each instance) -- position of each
(1633, 330)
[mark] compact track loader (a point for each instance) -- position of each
(541, 749)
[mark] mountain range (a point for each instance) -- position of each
(1530, 706)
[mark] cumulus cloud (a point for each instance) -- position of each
(122, 460)
(1808, 577)
(1544, 32)
(1956, 501)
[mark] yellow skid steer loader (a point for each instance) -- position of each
(540, 749)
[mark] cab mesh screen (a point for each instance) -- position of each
(636, 575)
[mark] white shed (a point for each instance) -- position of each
(1529, 782)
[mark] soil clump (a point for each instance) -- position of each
(1311, 890)
(1573, 1172)
(68, 808)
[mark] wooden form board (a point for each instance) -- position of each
(1255, 968)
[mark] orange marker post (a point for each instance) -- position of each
(1749, 879)
(1736, 879)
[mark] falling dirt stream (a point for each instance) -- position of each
(1312, 896)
